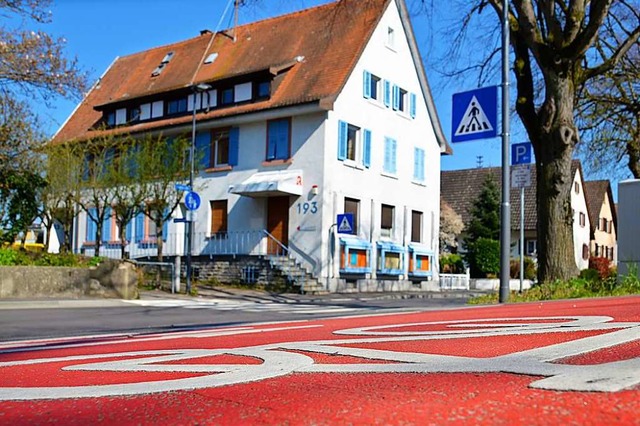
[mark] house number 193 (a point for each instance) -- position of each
(304, 208)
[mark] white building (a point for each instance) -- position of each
(305, 116)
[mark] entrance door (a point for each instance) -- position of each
(277, 223)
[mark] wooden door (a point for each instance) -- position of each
(278, 223)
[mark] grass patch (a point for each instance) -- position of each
(572, 289)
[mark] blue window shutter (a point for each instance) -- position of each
(91, 226)
(387, 155)
(367, 84)
(278, 143)
(203, 149)
(393, 156)
(165, 225)
(234, 145)
(139, 227)
(106, 226)
(128, 231)
(387, 93)
(412, 105)
(366, 151)
(422, 155)
(416, 163)
(396, 98)
(342, 140)
(86, 165)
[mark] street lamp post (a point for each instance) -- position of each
(198, 88)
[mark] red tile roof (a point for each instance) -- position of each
(330, 38)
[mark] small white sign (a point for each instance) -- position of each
(521, 176)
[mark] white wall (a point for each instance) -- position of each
(580, 233)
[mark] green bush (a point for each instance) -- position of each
(451, 264)
(12, 257)
(589, 275)
(483, 257)
(530, 268)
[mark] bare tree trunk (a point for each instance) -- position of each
(123, 241)
(554, 144)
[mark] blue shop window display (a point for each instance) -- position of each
(420, 261)
(390, 258)
(355, 256)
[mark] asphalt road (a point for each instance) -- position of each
(40, 319)
(561, 362)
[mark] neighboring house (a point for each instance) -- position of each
(460, 189)
(603, 220)
(307, 116)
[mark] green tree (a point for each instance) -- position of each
(485, 213)
(162, 162)
(63, 172)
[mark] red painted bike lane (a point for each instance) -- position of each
(566, 362)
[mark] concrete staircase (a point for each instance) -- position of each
(296, 275)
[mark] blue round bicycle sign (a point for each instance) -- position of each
(192, 201)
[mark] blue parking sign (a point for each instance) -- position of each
(521, 153)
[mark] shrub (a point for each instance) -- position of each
(602, 265)
(451, 264)
(530, 268)
(483, 257)
(590, 275)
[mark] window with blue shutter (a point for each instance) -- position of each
(203, 150)
(278, 139)
(367, 84)
(234, 145)
(418, 164)
(343, 129)
(106, 226)
(412, 105)
(86, 167)
(366, 149)
(165, 224)
(389, 155)
(387, 93)
(128, 230)
(396, 98)
(91, 226)
(139, 227)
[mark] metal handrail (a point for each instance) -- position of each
(278, 242)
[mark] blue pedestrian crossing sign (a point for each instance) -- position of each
(192, 201)
(475, 114)
(345, 223)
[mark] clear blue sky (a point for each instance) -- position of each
(98, 31)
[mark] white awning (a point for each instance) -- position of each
(270, 184)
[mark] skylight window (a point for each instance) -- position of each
(209, 59)
(167, 58)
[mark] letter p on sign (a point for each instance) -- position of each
(521, 153)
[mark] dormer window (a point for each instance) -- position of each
(110, 118)
(264, 89)
(176, 106)
(133, 114)
(226, 96)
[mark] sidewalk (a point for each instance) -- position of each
(236, 294)
(260, 295)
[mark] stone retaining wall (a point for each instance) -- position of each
(111, 279)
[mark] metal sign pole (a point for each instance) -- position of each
(521, 236)
(505, 225)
